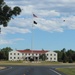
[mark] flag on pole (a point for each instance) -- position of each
(34, 22)
(34, 15)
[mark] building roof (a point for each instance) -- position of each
(33, 51)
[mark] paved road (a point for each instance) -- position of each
(31, 70)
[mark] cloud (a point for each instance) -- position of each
(14, 30)
(49, 25)
(11, 41)
(51, 14)
(70, 22)
(4, 42)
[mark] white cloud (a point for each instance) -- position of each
(68, 1)
(18, 39)
(49, 25)
(11, 41)
(50, 12)
(4, 42)
(70, 22)
(14, 30)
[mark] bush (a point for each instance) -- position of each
(70, 60)
(64, 61)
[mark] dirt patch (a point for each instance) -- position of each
(1, 68)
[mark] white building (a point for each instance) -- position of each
(29, 54)
(51, 56)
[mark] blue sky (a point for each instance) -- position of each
(50, 33)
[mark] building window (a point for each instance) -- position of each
(36, 54)
(50, 58)
(14, 53)
(54, 58)
(54, 54)
(47, 54)
(10, 57)
(18, 53)
(18, 57)
(29, 53)
(26, 54)
(22, 53)
(10, 53)
(32, 54)
(14, 57)
(50, 54)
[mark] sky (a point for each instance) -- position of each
(55, 28)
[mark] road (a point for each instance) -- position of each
(31, 70)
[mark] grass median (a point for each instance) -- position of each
(33, 63)
(67, 71)
(28, 63)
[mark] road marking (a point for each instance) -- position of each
(6, 69)
(55, 72)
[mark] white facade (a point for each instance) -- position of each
(51, 56)
(16, 55)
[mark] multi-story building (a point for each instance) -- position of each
(29, 54)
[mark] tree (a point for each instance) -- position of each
(2, 56)
(64, 57)
(63, 50)
(5, 52)
(43, 57)
(73, 57)
(6, 13)
(27, 49)
(70, 60)
(70, 53)
(59, 53)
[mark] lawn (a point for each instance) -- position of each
(68, 71)
(33, 63)
(28, 63)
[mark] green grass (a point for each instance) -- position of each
(14, 61)
(68, 71)
(48, 62)
(33, 63)
(28, 63)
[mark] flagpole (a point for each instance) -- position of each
(0, 30)
(32, 41)
(32, 36)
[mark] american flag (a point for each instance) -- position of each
(34, 22)
(34, 15)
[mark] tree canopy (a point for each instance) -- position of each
(6, 13)
(43, 57)
(66, 56)
(4, 53)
